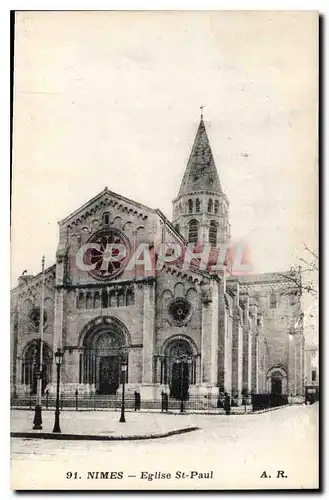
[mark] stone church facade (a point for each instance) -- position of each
(179, 328)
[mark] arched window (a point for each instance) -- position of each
(273, 301)
(81, 301)
(213, 232)
(121, 298)
(193, 230)
(130, 297)
(197, 205)
(97, 300)
(30, 361)
(113, 299)
(190, 206)
(106, 218)
(210, 205)
(89, 301)
(216, 207)
(104, 299)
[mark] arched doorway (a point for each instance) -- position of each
(277, 381)
(30, 364)
(276, 384)
(179, 367)
(104, 344)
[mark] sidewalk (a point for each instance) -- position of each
(99, 425)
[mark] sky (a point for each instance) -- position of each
(113, 99)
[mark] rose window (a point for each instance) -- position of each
(35, 317)
(180, 310)
(108, 254)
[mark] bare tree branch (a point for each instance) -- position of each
(310, 251)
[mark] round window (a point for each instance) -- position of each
(35, 317)
(180, 310)
(109, 255)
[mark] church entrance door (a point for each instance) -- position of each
(104, 346)
(109, 372)
(180, 380)
(276, 386)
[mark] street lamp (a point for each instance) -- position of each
(123, 375)
(37, 422)
(58, 359)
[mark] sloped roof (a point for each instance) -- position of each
(201, 172)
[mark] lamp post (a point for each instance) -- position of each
(123, 375)
(37, 422)
(58, 359)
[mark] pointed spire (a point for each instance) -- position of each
(201, 173)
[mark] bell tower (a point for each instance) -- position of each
(200, 210)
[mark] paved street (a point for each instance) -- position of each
(101, 423)
(233, 450)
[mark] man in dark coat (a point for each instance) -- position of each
(137, 401)
(227, 404)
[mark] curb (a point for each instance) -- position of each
(159, 412)
(145, 410)
(271, 409)
(95, 437)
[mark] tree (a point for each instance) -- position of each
(309, 268)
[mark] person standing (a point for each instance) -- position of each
(227, 404)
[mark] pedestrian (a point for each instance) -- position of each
(137, 400)
(166, 401)
(219, 403)
(227, 404)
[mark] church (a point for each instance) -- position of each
(113, 295)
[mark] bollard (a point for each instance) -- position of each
(164, 402)
(76, 400)
(47, 396)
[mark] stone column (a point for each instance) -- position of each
(254, 363)
(302, 370)
(253, 348)
(246, 378)
(204, 231)
(71, 367)
(237, 340)
(58, 315)
(209, 337)
(205, 343)
(299, 366)
(292, 366)
(228, 354)
(223, 312)
(148, 340)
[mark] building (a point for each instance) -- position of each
(311, 372)
(184, 328)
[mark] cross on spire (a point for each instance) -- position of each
(201, 107)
